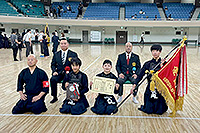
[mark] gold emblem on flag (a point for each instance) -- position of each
(175, 70)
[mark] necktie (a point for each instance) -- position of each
(63, 58)
(127, 72)
(128, 59)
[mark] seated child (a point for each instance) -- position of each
(105, 104)
(154, 102)
(80, 105)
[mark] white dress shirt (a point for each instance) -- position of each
(128, 55)
(65, 54)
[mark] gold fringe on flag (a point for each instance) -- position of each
(174, 103)
(162, 89)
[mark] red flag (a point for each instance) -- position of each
(171, 75)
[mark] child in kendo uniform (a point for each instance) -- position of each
(105, 104)
(154, 102)
(80, 105)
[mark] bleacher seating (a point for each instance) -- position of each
(108, 10)
(66, 13)
(150, 10)
(6, 9)
(179, 10)
(29, 7)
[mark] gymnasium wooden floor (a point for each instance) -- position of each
(128, 118)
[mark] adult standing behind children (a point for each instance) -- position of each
(55, 42)
(14, 43)
(27, 38)
(45, 44)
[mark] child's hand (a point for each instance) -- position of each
(117, 86)
(76, 99)
(66, 84)
(162, 62)
(91, 83)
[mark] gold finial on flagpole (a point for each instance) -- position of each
(183, 41)
(185, 38)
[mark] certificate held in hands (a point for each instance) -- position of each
(103, 85)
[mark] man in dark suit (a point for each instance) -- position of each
(55, 42)
(128, 66)
(60, 60)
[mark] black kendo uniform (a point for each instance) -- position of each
(55, 43)
(34, 84)
(80, 106)
(154, 105)
(105, 104)
(6, 42)
(46, 50)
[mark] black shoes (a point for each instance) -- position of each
(16, 60)
(54, 100)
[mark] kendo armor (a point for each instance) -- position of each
(73, 89)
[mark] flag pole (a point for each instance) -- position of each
(136, 88)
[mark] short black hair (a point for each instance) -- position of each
(53, 33)
(14, 31)
(107, 62)
(63, 39)
(28, 30)
(157, 47)
(44, 37)
(76, 61)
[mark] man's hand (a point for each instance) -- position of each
(121, 75)
(117, 86)
(36, 98)
(91, 83)
(133, 89)
(22, 95)
(134, 76)
(55, 73)
(66, 84)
